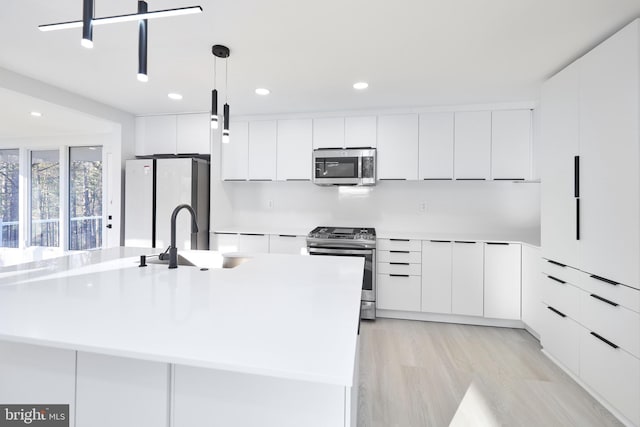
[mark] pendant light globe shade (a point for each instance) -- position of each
(214, 109)
(226, 134)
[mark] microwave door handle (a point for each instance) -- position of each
(360, 167)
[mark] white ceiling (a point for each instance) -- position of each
(412, 52)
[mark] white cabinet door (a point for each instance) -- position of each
(436, 146)
(467, 279)
(138, 388)
(235, 154)
(193, 133)
(262, 150)
(531, 283)
(502, 281)
(511, 144)
(472, 155)
(398, 146)
(294, 150)
(398, 292)
(224, 242)
(287, 244)
(157, 135)
(33, 374)
(253, 243)
(560, 127)
(328, 132)
(560, 337)
(436, 276)
(361, 131)
(610, 157)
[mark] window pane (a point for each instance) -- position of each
(85, 198)
(45, 198)
(9, 194)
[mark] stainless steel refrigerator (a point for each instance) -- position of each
(153, 188)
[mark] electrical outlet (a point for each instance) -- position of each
(270, 204)
(422, 207)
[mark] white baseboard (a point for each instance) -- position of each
(449, 318)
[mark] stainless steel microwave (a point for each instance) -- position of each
(346, 166)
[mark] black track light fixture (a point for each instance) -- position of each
(223, 52)
(143, 31)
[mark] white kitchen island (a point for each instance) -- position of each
(272, 342)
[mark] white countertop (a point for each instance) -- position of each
(286, 316)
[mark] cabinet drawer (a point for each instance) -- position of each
(399, 245)
(562, 296)
(560, 337)
(399, 268)
(557, 270)
(612, 373)
(618, 324)
(398, 292)
(399, 256)
(620, 294)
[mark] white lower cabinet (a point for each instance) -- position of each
(612, 373)
(436, 276)
(398, 292)
(135, 389)
(560, 337)
(502, 280)
(287, 244)
(253, 243)
(224, 242)
(467, 288)
(531, 292)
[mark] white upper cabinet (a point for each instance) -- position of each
(156, 135)
(472, 145)
(294, 149)
(511, 144)
(560, 140)
(235, 154)
(262, 150)
(361, 131)
(609, 158)
(398, 146)
(436, 146)
(328, 132)
(502, 267)
(193, 133)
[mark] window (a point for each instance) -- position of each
(85, 198)
(9, 197)
(45, 198)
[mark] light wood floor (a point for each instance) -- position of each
(436, 374)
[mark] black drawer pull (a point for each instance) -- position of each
(602, 279)
(399, 252)
(440, 241)
(392, 179)
(399, 275)
(556, 279)
(225, 232)
(251, 234)
(464, 241)
(471, 179)
(437, 179)
(497, 243)
(559, 313)
(576, 176)
(399, 240)
(287, 235)
(604, 340)
(598, 297)
(399, 263)
(556, 263)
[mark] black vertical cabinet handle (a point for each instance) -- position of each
(604, 340)
(576, 176)
(577, 219)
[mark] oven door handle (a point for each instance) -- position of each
(323, 251)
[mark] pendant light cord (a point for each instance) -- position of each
(214, 71)
(226, 81)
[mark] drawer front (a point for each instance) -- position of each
(399, 256)
(567, 274)
(612, 373)
(562, 296)
(620, 294)
(618, 324)
(400, 268)
(399, 245)
(284, 244)
(560, 337)
(398, 292)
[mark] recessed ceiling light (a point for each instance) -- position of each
(175, 96)
(262, 91)
(360, 85)
(36, 114)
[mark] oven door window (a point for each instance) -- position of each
(367, 280)
(337, 167)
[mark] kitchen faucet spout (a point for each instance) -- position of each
(173, 250)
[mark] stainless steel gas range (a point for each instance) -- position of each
(350, 241)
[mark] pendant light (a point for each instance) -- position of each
(214, 98)
(220, 51)
(142, 43)
(87, 24)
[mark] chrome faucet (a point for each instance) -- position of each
(173, 250)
